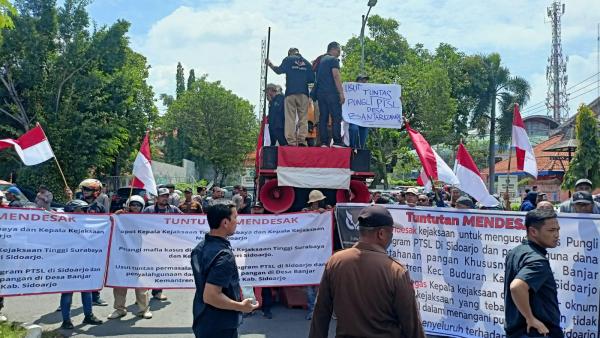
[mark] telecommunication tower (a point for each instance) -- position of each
(556, 71)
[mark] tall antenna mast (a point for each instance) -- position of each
(556, 71)
(263, 76)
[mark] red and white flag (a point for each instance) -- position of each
(525, 155)
(470, 178)
(32, 147)
(312, 167)
(142, 169)
(434, 166)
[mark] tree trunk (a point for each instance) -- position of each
(492, 146)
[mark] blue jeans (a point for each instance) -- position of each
(65, 304)
(358, 136)
(311, 297)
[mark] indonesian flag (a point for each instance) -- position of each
(142, 169)
(32, 147)
(525, 156)
(470, 178)
(445, 174)
(312, 167)
(434, 166)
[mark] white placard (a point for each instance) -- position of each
(372, 105)
(44, 252)
(153, 251)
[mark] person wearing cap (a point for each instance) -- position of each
(316, 202)
(330, 95)
(358, 134)
(44, 198)
(582, 184)
(276, 115)
(464, 202)
(412, 197)
(423, 200)
(189, 206)
(12, 196)
(371, 293)
(66, 298)
(583, 202)
(174, 197)
(135, 204)
(161, 206)
(299, 74)
(218, 303)
(1, 199)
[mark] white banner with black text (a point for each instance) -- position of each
(456, 260)
(153, 250)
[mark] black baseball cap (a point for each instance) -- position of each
(362, 76)
(583, 197)
(464, 200)
(376, 216)
(258, 204)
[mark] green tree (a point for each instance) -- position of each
(219, 126)
(180, 80)
(586, 162)
(501, 88)
(85, 86)
(191, 79)
(6, 12)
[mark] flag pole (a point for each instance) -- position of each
(133, 177)
(510, 148)
(264, 114)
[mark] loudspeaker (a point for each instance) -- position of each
(269, 158)
(360, 160)
(360, 193)
(276, 199)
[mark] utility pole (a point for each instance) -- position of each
(556, 71)
(364, 20)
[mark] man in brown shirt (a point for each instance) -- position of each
(189, 206)
(371, 294)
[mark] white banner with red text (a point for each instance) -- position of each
(43, 252)
(456, 260)
(153, 250)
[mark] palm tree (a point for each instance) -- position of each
(503, 89)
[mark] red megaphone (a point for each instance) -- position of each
(358, 193)
(276, 199)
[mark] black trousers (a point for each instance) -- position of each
(226, 333)
(277, 135)
(329, 105)
(267, 299)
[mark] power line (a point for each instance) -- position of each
(589, 91)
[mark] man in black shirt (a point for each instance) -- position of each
(299, 74)
(531, 301)
(276, 115)
(330, 95)
(217, 303)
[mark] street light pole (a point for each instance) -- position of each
(371, 3)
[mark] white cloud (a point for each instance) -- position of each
(223, 39)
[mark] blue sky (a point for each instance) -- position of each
(222, 38)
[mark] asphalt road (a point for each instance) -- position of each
(172, 318)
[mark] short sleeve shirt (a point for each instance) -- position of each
(214, 262)
(325, 81)
(528, 262)
(298, 73)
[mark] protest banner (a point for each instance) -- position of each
(153, 251)
(456, 260)
(43, 252)
(372, 105)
